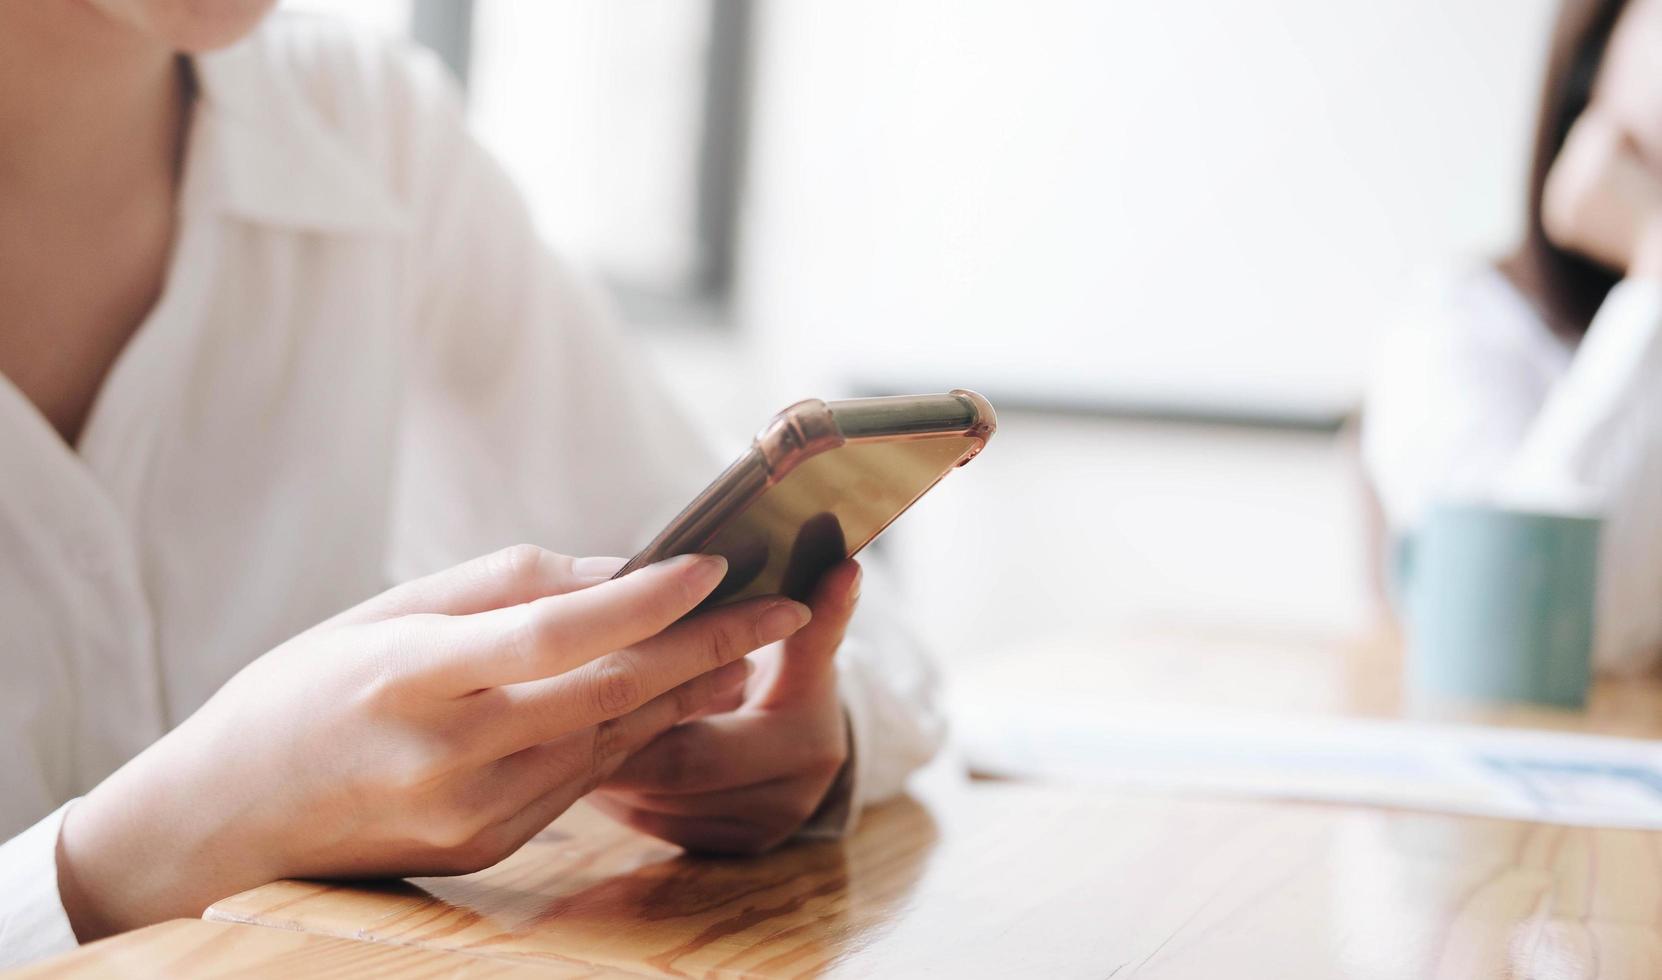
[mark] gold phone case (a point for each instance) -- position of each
(818, 484)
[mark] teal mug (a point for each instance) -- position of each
(1499, 604)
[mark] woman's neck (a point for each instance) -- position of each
(90, 109)
(92, 123)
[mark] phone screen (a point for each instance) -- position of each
(827, 508)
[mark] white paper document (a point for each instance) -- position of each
(1521, 774)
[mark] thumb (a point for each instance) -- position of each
(808, 666)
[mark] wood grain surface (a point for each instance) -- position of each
(196, 949)
(1000, 879)
(990, 879)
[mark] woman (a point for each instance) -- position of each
(276, 332)
(1541, 377)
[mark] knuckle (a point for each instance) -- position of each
(530, 635)
(378, 694)
(616, 687)
(384, 673)
(715, 645)
(605, 744)
(452, 832)
(721, 644)
(423, 761)
(404, 777)
(519, 563)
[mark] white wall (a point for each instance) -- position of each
(1210, 202)
(1216, 202)
(1069, 530)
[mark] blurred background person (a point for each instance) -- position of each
(1537, 379)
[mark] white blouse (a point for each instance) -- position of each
(1475, 397)
(364, 367)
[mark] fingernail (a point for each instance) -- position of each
(781, 620)
(596, 568)
(706, 571)
(854, 586)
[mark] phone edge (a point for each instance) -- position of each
(800, 432)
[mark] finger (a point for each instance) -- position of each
(620, 682)
(549, 636)
(767, 665)
(586, 758)
(716, 753)
(808, 668)
(728, 701)
(819, 546)
(773, 811)
(546, 780)
(787, 800)
(503, 578)
(746, 551)
(709, 835)
(615, 740)
(733, 688)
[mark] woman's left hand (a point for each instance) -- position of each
(745, 778)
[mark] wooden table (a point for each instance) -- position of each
(1013, 880)
(194, 948)
(999, 879)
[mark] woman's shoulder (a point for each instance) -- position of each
(1473, 316)
(1468, 346)
(350, 75)
(1453, 386)
(384, 101)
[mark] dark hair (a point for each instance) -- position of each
(1565, 288)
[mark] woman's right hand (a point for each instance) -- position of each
(1604, 200)
(431, 730)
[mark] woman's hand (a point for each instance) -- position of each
(745, 778)
(431, 730)
(1604, 200)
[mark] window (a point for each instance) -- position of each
(619, 119)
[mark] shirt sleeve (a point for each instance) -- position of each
(1600, 435)
(1454, 414)
(531, 417)
(33, 924)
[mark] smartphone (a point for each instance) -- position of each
(818, 484)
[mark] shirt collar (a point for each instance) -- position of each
(271, 159)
